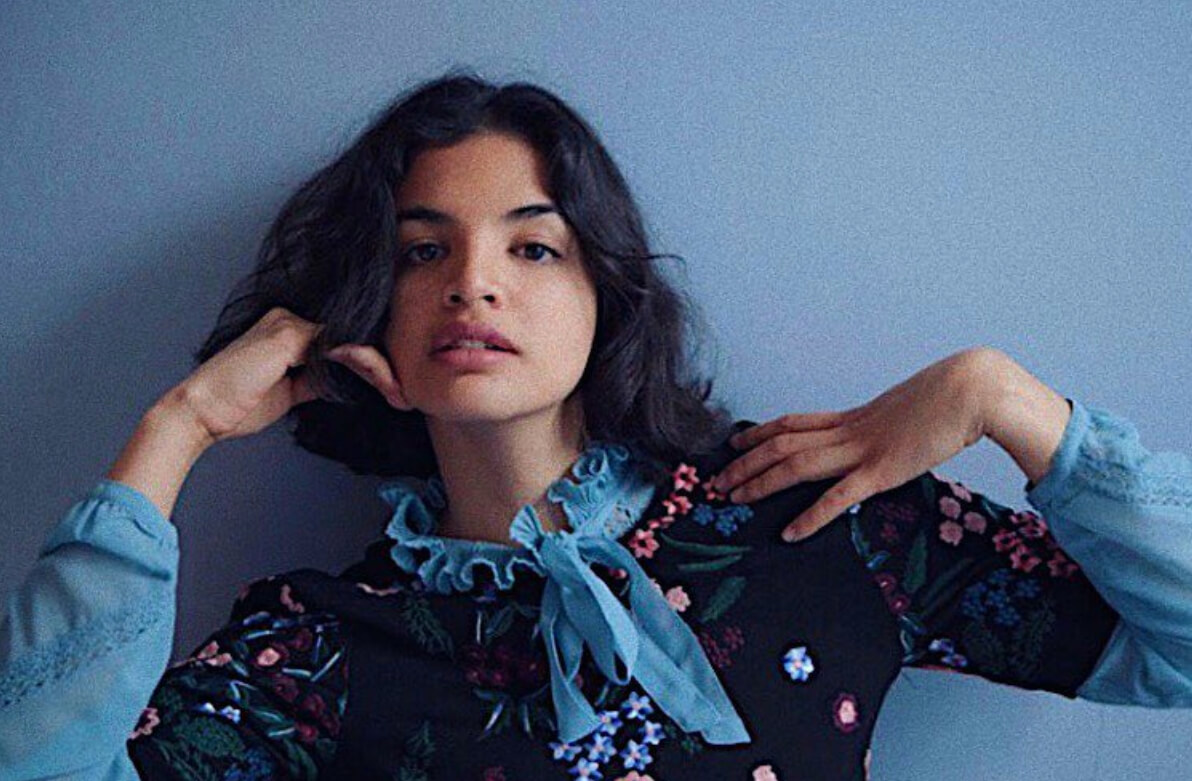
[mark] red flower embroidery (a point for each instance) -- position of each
(643, 543)
(677, 505)
(844, 713)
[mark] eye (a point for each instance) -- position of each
(414, 253)
(542, 246)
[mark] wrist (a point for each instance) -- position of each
(173, 416)
(1022, 415)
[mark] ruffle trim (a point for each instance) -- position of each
(606, 497)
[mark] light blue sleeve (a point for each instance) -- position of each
(86, 637)
(1125, 515)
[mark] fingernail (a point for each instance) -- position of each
(790, 535)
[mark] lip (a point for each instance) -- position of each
(464, 330)
(471, 357)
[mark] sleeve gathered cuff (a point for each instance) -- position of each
(120, 520)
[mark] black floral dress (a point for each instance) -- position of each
(381, 672)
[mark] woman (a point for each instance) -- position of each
(465, 300)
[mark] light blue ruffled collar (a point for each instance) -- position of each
(607, 496)
(578, 610)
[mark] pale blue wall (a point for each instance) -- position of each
(858, 193)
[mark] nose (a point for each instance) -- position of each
(473, 274)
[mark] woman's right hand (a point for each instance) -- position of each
(245, 387)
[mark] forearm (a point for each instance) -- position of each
(1023, 415)
(164, 447)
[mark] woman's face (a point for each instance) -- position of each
(521, 274)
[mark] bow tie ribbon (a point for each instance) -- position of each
(655, 646)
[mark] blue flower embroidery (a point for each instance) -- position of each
(945, 647)
(636, 756)
(651, 733)
(610, 722)
(637, 706)
(726, 519)
(601, 748)
(564, 751)
(587, 770)
(997, 594)
(798, 663)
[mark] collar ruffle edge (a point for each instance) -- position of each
(606, 497)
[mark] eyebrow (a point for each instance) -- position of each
(520, 214)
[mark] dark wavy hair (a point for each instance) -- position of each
(330, 256)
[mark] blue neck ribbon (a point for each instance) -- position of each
(655, 646)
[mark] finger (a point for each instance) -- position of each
(810, 464)
(854, 488)
(300, 389)
(791, 422)
(771, 451)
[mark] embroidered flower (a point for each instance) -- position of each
(651, 733)
(643, 543)
(367, 589)
(764, 773)
(565, 751)
(209, 656)
(957, 488)
(685, 477)
(273, 654)
(636, 756)
(1024, 560)
(677, 505)
(301, 640)
(949, 507)
(1005, 540)
(585, 769)
(145, 723)
(600, 748)
(610, 722)
(947, 649)
(228, 712)
(677, 598)
(898, 603)
(284, 686)
(975, 522)
(633, 775)
(288, 601)
(1060, 566)
(951, 532)
(637, 706)
(798, 663)
(886, 581)
(844, 713)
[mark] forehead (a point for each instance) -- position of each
(487, 177)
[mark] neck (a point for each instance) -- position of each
(492, 469)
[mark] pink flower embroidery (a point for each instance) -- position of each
(951, 532)
(1024, 560)
(288, 601)
(677, 598)
(949, 507)
(209, 656)
(145, 724)
(677, 505)
(1032, 531)
(267, 657)
(764, 773)
(367, 589)
(886, 581)
(1005, 540)
(974, 522)
(643, 543)
(634, 776)
(685, 477)
(959, 490)
(844, 713)
(1061, 566)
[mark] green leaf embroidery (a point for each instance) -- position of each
(916, 565)
(726, 594)
(709, 566)
(985, 651)
(700, 549)
(425, 626)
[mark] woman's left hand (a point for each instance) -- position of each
(912, 427)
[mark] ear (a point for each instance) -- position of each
(368, 362)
